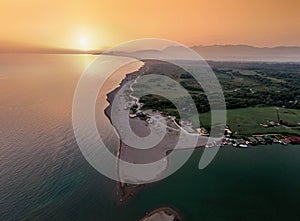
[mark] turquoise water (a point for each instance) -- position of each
(43, 175)
(260, 183)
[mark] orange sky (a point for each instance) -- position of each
(104, 23)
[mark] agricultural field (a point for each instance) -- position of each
(246, 121)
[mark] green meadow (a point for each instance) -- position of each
(246, 121)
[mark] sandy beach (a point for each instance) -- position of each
(162, 214)
(142, 128)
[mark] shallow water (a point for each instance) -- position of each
(43, 175)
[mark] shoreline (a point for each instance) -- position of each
(124, 191)
(142, 129)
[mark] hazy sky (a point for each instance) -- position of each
(94, 24)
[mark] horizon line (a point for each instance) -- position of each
(18, 47)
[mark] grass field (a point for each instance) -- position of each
(247, 120)
(251, 91)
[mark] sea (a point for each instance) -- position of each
(44, 176)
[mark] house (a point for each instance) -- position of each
(202, 131)
(252, 140)
(132, 115)
(264, 125)
(293, 140)
(185, 123)
(228, 131)
(260, 140)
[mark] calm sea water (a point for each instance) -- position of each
(43, 175)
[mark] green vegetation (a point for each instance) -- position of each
(244, 88)
(251, 90)
(244, 84)
(246, 121)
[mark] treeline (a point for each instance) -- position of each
(259, 84)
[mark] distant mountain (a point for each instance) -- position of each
(137, 54)
(212, 52)
(222, 53)
(248, 53)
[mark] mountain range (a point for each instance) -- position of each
(240, 53)
(249, 53)
(212, 52)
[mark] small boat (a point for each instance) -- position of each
(243, 145)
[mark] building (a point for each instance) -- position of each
(202, 131)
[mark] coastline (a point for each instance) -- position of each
(142, 129)
(124, 191)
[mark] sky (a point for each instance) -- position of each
(96, 24)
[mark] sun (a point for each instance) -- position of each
(83, 42)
